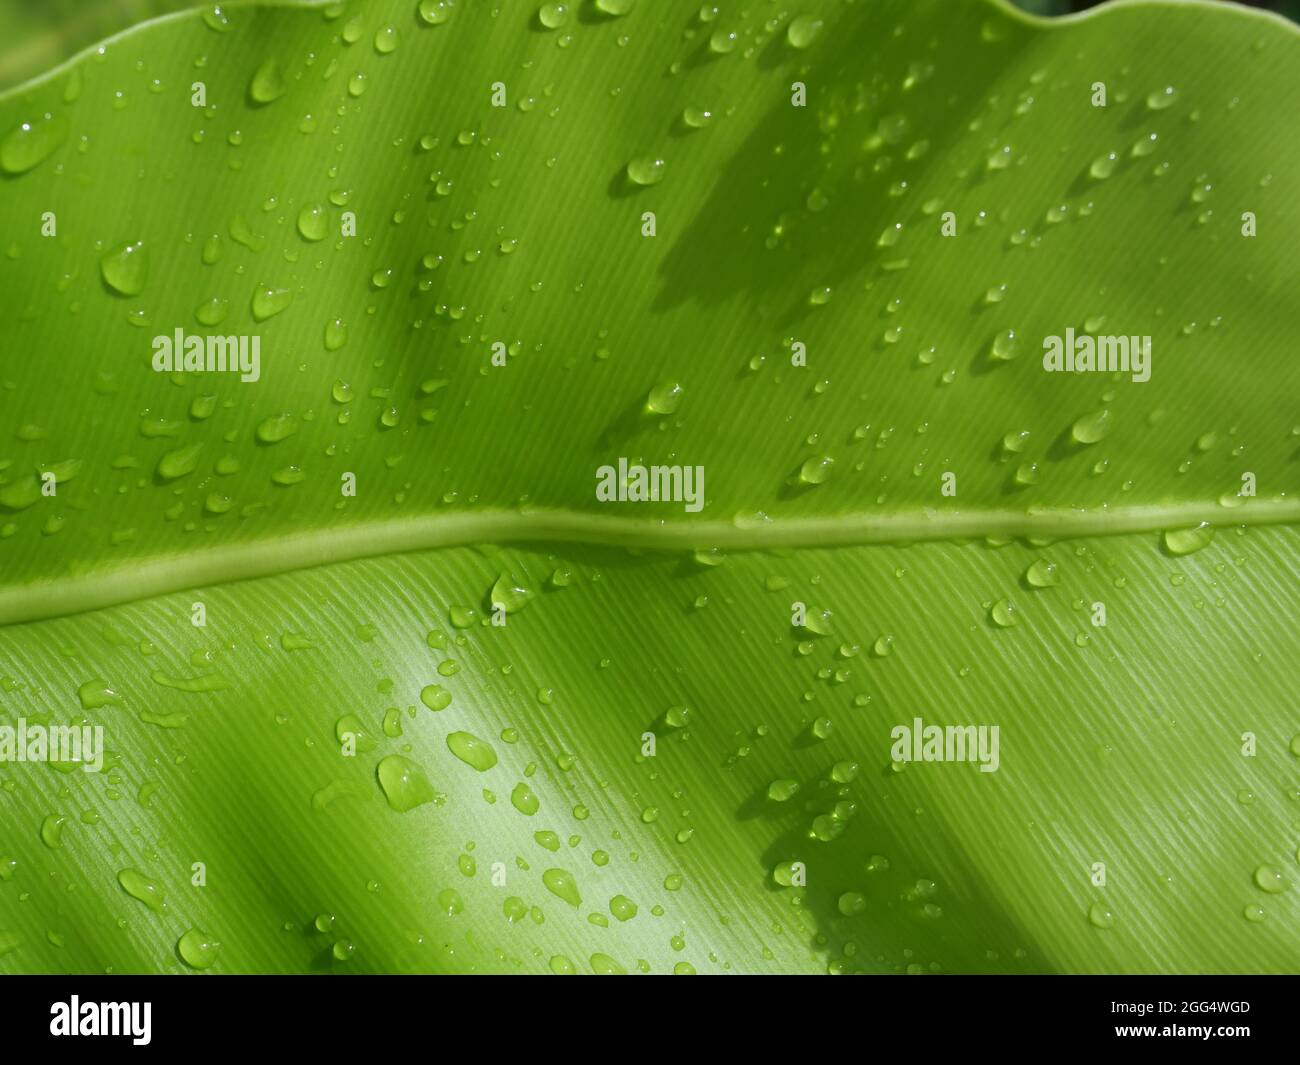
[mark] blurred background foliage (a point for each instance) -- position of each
(35, 35)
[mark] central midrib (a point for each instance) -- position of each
(143, 579)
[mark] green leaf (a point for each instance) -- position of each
(376, 777)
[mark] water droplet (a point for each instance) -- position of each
(472, 751)
(436, 12)
(523, 799)
(562, 885)
(269, 301)
(140, 887)
(1005, 346)
(1103, 166)
(435, 697)
(1162, 98)
(336, 335)
(276, 428)
(1042, 574)
(178, 463)
(722, 42)
(816, 470)
(197, 949)
(1254, 913)
(386, 40)
(553, 16)
(782, 790)
(646, 170)
(125, 268)
(97, 693)
(1092, 427)
(851, 903)
(1004, 614)
(1271, 879)
(31, 143)
(1100, 916)
(803, 31)
(697, 118)
(404, 783)
(510, 594)
(664, 398)
(212, 312)
(623, 908)
(1000, 159)
(1144, 146)
(267, 83)
(1027, 473)
(313, 222)
(1185, 541)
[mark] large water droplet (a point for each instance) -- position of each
(30, 143)
(1042, 574)
(816, 470)
(553, 16)
(803, 31)
(140, 887)
(664, 398)
(313, 222)
(1100, 916)
(562, 885)
(178, 463)
(267, 83)
(1092, 427)
(1162, 98)
(523, 799)
(472, 751)
(276, 428)
(404, 783)
(1004, 614)
(510, 594)
(197, 949)
(125, 268)
(1271, 879)
(269, 301)
(646, 170)
(436, 12)
(1185, 541)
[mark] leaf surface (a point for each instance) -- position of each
(522, 226)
